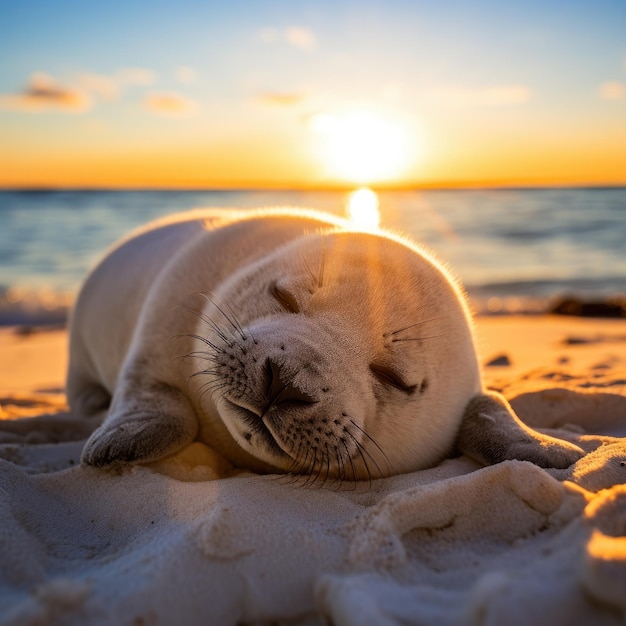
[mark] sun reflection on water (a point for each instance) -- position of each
(362, 209)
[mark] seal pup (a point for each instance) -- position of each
(289, 342)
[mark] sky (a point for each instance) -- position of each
(312, 94)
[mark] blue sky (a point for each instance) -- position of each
(510, 83)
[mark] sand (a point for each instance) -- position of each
(188, 541)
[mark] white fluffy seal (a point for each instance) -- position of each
(289, 343)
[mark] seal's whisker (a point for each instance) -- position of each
(366, 434)
(301, 466)
(350, 462)
(304, 474)
(341, 473)
(349, 457)
(196, 374)
(235, 342)
(203, 339)
(315, 474)
(323, 464)
(327, 456)
(232, 313)
(203, 356)
(208, 371)
(207, 320)
(214, 361)
(362, 450)
(359, 449)
(206, 342)
(337, 475)
(213, 372)
(305, 463)
(308, 463)
(295, 463)
(211, 385)
(310, 272)
(199, 314)
(199, 354)
(235, 319)
(311, 478)
(401, 330)
(396, 339)
(293, 476)
(320, 280)
(316, 467)
(218, 331)
(236, 326)
(216, 376)
(283, 477)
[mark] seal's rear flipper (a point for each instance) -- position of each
(491, 433)
(153, 425)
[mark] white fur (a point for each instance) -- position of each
(132, 323)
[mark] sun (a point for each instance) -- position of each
(362, 146)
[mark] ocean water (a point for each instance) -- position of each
(514, 250)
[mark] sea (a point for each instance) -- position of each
(515, 250)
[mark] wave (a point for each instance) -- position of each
(22, 306)
(27, 306)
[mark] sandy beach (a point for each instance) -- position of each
(456, 544)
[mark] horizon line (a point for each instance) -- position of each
(292, 187)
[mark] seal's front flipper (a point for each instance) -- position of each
(491, 433)
(149, 427)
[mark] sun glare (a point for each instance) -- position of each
(362, 146)
(362, 209)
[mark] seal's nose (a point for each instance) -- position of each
(280, 392)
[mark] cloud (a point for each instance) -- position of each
(44, 93)
(186, 74)
(296, 36)
(110, 87)
(301, 38)
(170, 104)
(492, 96)
(136, 76)
(281, 99)
(612, 90)
(103, 86)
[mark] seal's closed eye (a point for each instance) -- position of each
(388, 377)
(284, 298)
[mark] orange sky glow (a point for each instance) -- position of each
(384, 96)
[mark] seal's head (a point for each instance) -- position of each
(343, 354)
